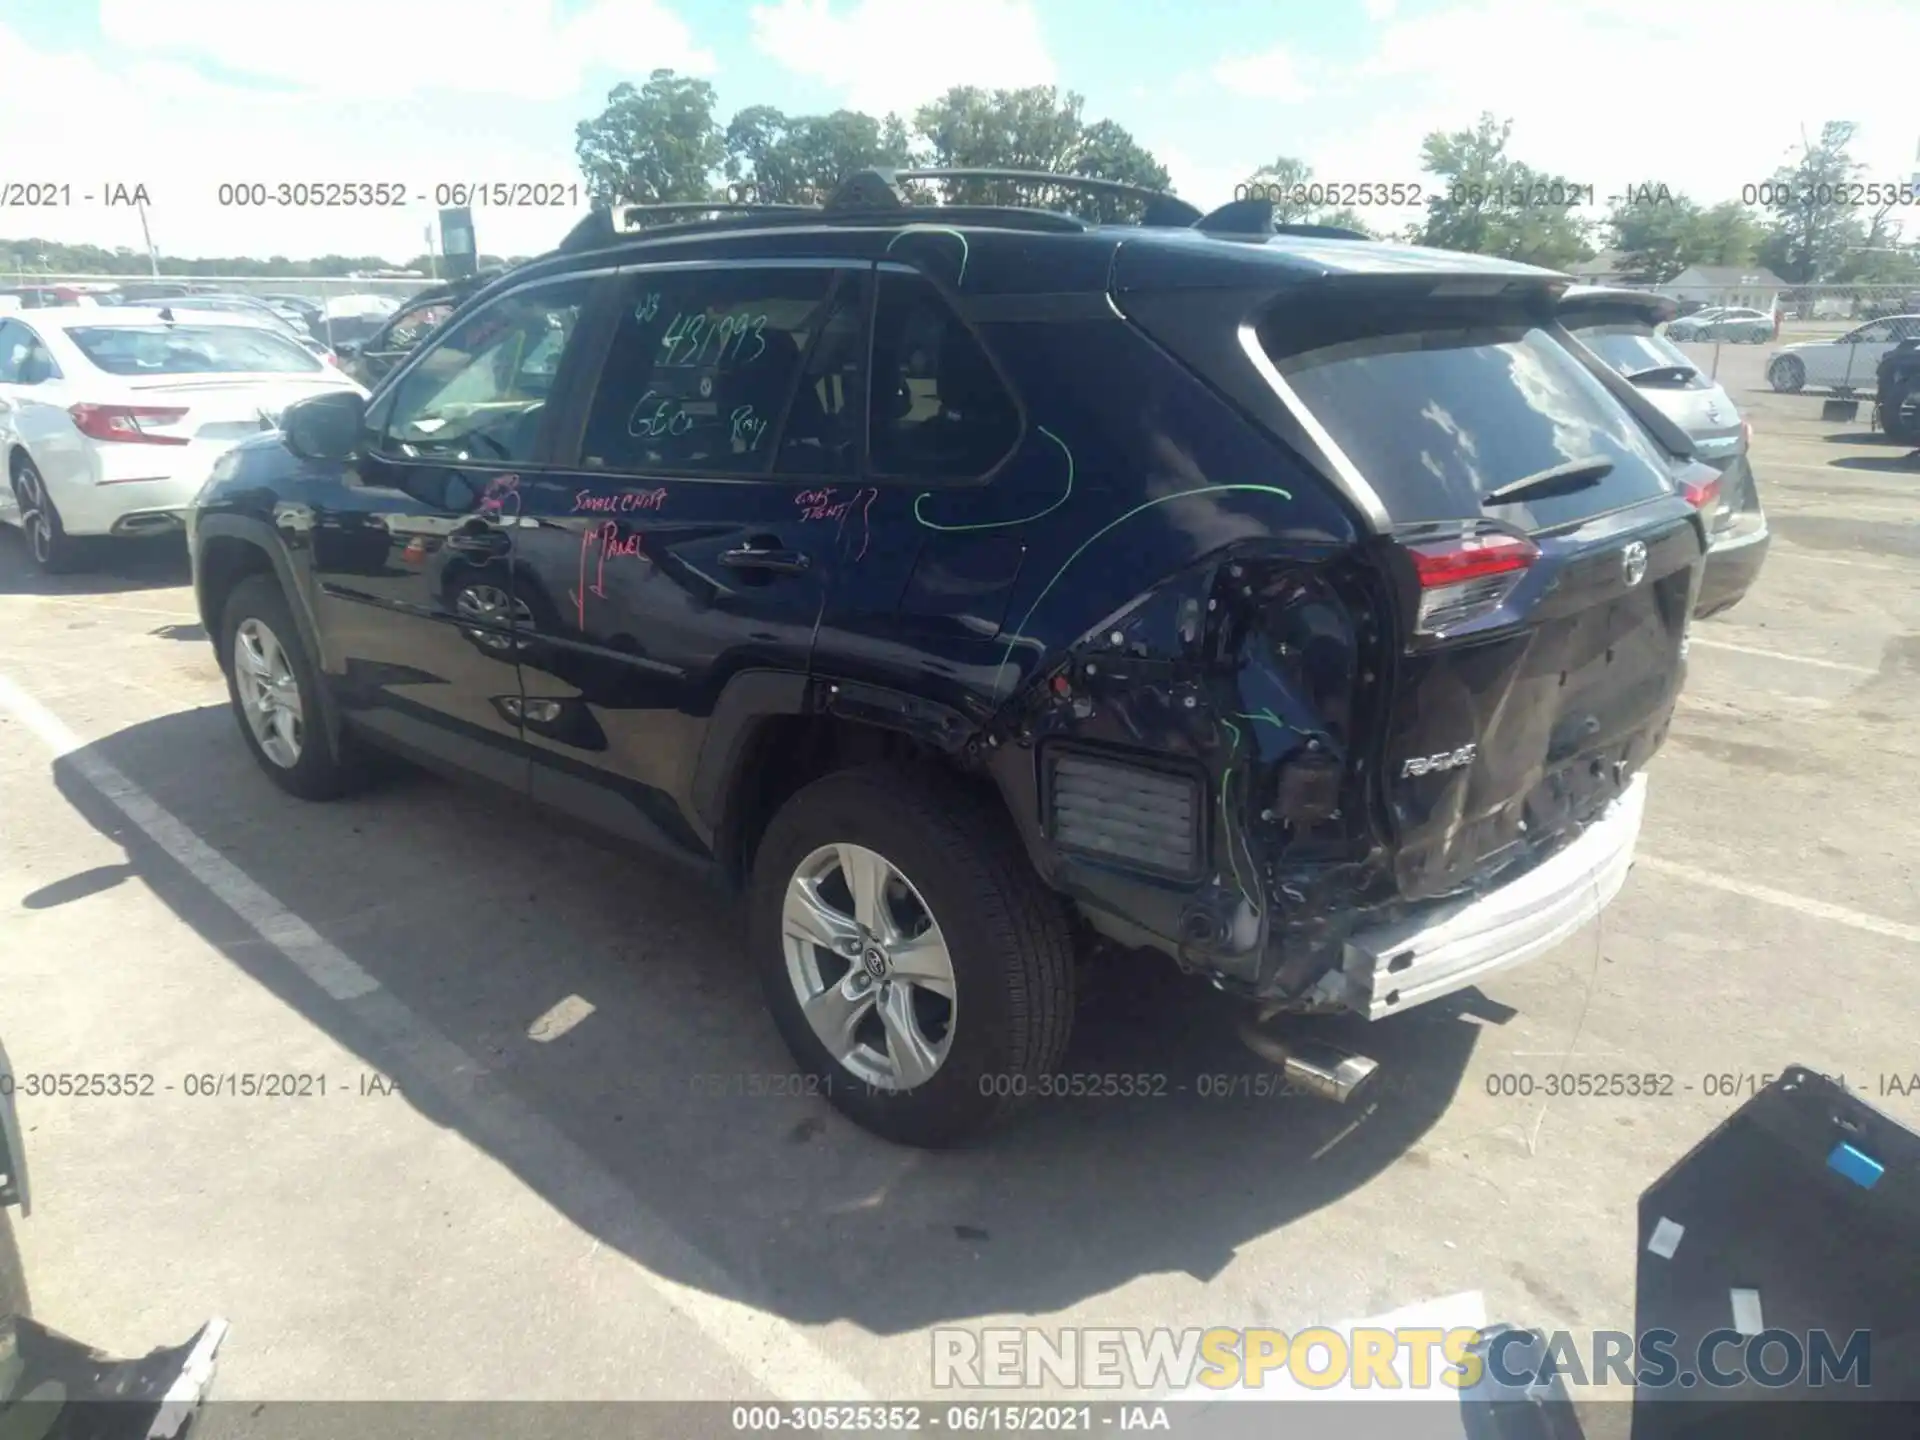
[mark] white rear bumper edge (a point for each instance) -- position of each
(1391, 968)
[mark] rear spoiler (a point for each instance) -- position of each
(1587, 304)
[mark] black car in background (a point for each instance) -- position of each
(978, 595)
(1897, 392)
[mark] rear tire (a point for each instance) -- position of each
(276, 696)
(951, 1067)
(15, 1298)
(1787, 375)
(1900, 416)
(52, 550)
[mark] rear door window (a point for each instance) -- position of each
(1440, 404)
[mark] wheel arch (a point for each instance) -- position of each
(773, 732)
(227, 549)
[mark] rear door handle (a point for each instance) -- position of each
(488, 541)
(783, 562)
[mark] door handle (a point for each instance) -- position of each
(488, 541)
(782, 562)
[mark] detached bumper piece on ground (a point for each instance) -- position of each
(52, 1387)
(1799, 1214)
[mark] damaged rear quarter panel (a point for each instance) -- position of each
(1198, 611)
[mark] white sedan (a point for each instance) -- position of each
(1850, 362)
(111, 418)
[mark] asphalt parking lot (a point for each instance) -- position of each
(542, 1168)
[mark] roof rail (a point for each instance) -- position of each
(606, 225)
(1253, 217)
(879, 189)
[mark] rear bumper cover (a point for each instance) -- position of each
(1733, 564)
(1390, 968)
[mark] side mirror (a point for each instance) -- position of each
(325, 427)
(347, 349)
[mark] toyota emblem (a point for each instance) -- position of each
(1633, 563)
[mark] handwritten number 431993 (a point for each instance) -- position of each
(697, 339)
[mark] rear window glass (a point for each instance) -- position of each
(191, 350)
(1439, 407)
(1637, 352)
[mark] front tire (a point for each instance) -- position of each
(51, 549)
(1787, 375)
(275, 691)
(917, 968)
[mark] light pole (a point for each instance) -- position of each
(153, 256)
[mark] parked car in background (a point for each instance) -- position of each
(1335, 686)
(1741, 326)
(1850, 362)
(51, 297)
(369, 360)
(1897, 305)
(110, 418)
(308, 312)
(1621, 327)
(137, 291)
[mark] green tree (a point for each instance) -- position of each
(798, 159)
(1651, 227)
(1660, 233)
(1808, 235)
(1725, 234)
(1483, 201)
(1285, 182)
(1036, 128)
(655, 144)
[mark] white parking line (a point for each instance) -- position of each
(1836, 472)
(1789, 552)
(93, 602)
(1818, 909)
(1784, 655)
(774, 1352)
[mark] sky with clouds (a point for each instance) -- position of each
(183, 95)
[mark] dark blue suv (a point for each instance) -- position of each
(980, 588)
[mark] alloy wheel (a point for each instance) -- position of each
(869, 966)
(269, 693)
(35, 521)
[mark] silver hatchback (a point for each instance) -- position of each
(1621, 327)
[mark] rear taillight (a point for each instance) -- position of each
(1462, 579)
(1746, 436)
(1702, 493)
(135, 424)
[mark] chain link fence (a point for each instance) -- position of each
(1821, 338)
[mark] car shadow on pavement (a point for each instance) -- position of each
(1907, 462)
(109, 567)
(481, 918)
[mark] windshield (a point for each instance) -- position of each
(1633, 349)
(1440, 405)
(191, 350)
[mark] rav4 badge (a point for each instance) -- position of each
(1433, 764)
